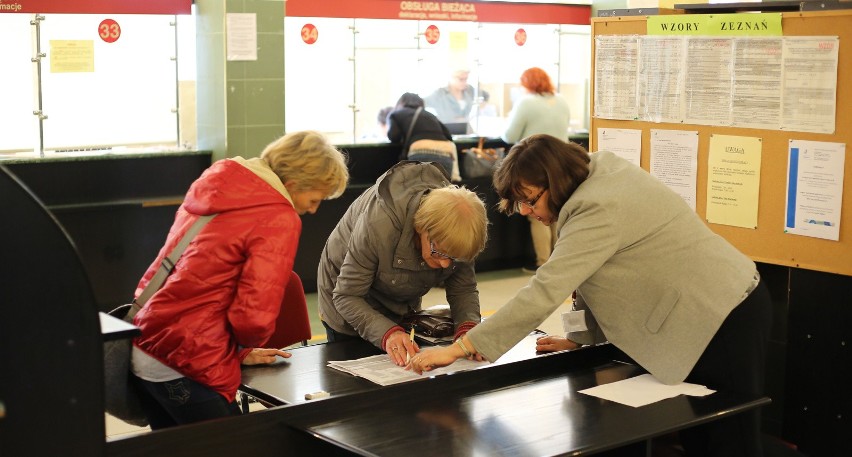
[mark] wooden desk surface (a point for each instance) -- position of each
(288, 380)
(539, 417)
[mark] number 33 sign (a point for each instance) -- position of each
(109, 30)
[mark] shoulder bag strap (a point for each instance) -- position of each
(168, 263)
(410, 129)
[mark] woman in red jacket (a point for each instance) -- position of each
(224, 294)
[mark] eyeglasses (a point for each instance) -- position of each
(436, 254)
(529, 203)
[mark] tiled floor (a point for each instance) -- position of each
(495, 287)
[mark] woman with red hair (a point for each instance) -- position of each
(540, 110)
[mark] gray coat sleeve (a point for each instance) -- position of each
(462, 294)
(357, 274)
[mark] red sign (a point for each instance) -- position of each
(520, 37)
(432, 34)
(97, 6)
(309, 33)
(525, 13)
(109, 30)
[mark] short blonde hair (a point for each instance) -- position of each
(308, 160)
(455, 218)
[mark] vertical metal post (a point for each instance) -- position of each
(558, 58)
(354, 105)
(177, 84)
(36, 23)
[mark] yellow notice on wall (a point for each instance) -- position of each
(458, 51)
(727, 25)
(72, 56)
(733, 180)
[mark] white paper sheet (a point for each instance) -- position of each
(380, 370)
(674, 161)
(644, 390)
(815, 189)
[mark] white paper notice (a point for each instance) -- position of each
(756, 100)
(242, 36)
(674, 161)
(615, 76)
(660, 83)
(814, 189)
(809, 97)
(625, 143)
(644, 390)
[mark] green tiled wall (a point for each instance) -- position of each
(240, 103)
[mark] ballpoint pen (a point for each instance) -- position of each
(410, 338)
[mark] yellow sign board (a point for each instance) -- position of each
(727, 25)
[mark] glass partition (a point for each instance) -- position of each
(100, 81)
(342, 72)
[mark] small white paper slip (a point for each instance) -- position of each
(644, 390)
(574, 321)
(317, 395)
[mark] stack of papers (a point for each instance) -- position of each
(644, 390)
(380, 370)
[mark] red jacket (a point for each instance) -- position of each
(225, 292)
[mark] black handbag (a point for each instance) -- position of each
(121, 399)
(434, 322)
(480, 163)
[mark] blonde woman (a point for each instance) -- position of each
(406, 234)
(224, 294)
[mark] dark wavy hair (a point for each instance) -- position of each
(542, 161)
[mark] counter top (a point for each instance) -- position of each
(90, 155)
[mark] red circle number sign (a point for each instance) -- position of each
(109, 30)
(309, 33)
(432, 34)
(520, 37)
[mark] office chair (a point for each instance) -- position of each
(292, 326)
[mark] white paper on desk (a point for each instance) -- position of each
(644, 390)
(380, 370)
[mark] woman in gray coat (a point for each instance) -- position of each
(404, 235)
(650, 276)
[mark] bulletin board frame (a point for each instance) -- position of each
(767, 243)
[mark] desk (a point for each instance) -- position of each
(288, 380)
(530, 406)
(116, 329)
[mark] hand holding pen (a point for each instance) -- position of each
(400, 347)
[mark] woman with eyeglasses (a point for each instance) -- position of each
(403, 236)
(651, 278)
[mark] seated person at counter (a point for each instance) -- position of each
(426, 140)
(452, 103)
(224, 294)
(650, 277)
(403, 236)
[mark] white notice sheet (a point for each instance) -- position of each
(814, 188)
(809, 90)
(615, 76)
(674, 161)
(661, 78)
(625, 143)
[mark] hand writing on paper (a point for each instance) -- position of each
(398, 345)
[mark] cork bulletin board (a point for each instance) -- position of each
(767, 242)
